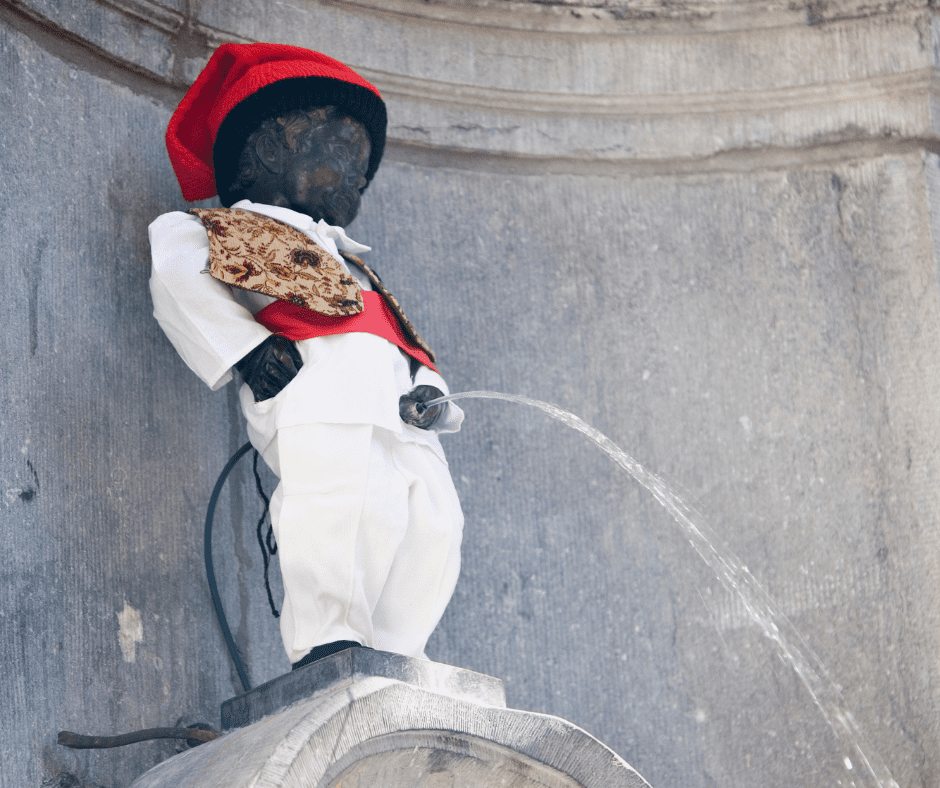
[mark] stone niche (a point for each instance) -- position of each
(707, 228)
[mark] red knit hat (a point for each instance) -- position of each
(243, 85)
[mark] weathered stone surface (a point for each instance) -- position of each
(346, 668)
(712, 235)
(370, 730)
(664, 83)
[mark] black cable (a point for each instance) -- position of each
(78, 741)
(210, 572)
(268, 545)
(194, 735)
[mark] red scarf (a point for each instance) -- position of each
(297, 322)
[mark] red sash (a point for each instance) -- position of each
(297, 322)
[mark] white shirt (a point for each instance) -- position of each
(353, 378)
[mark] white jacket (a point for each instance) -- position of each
(345, 379)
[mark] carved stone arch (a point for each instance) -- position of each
(590, 87)
(421, 755)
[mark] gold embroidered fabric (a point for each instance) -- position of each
(257, 253)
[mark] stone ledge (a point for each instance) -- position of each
(361, 730)
(464, 84)
(344, 669)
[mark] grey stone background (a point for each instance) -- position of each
(707, 229)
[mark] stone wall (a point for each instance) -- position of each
(706, 228)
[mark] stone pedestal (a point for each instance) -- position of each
(371, 719)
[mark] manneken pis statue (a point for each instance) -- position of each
(366, 517)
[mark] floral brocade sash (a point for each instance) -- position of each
(254, 252)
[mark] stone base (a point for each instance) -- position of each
(368, 718)
(344, 669)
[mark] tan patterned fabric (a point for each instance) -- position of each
(257, 253)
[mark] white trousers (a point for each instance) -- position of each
(368, 529)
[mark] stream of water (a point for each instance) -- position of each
(861, 763)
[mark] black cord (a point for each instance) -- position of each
(195, 735)
(210, 572)
(78, 741)
(268, 545)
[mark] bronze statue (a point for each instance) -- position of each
(335, 377)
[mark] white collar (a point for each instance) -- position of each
(327, 235)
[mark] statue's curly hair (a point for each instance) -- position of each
(292, 130)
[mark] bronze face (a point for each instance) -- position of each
(314, 163)
(326, 180)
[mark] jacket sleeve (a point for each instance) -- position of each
(200, 316)
(452, 417)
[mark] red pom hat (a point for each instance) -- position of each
(243, 85)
